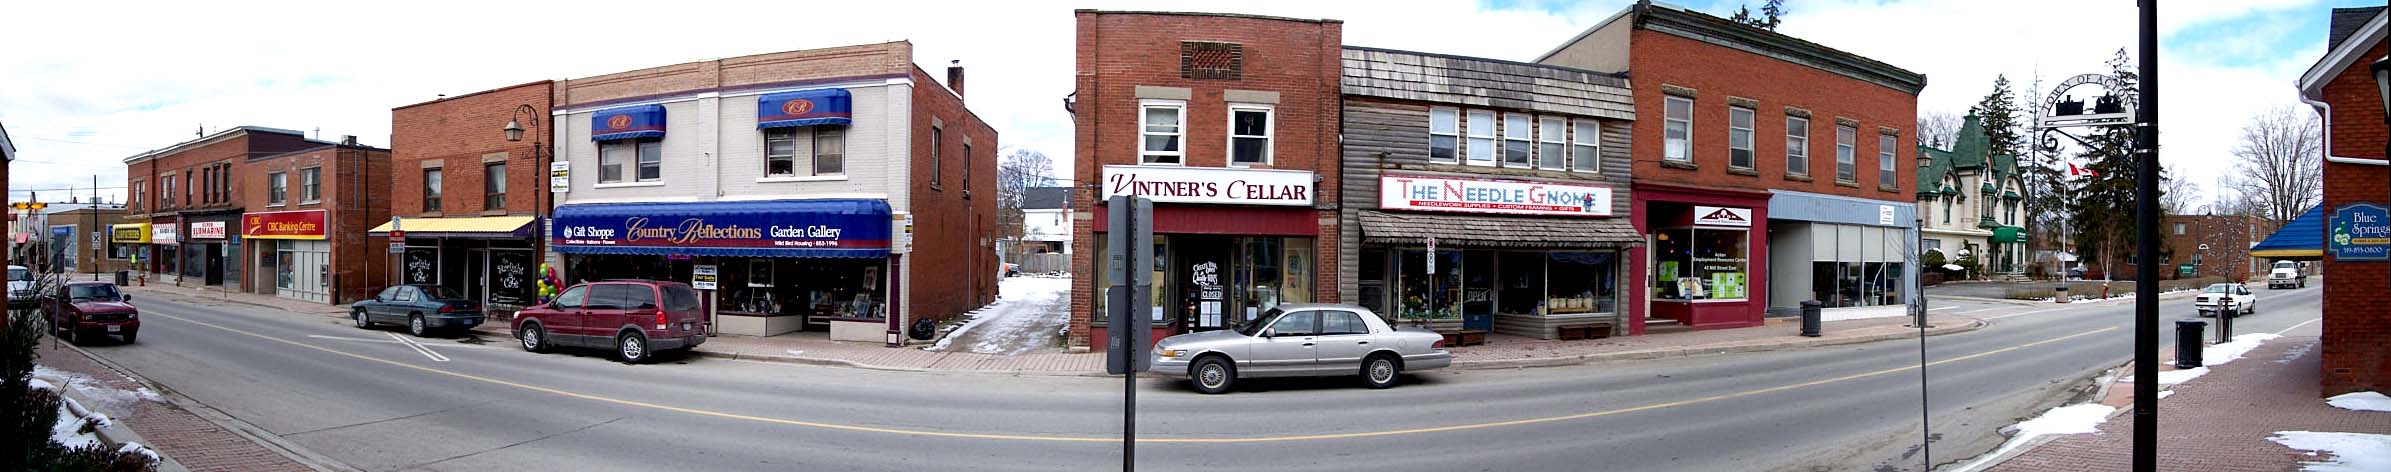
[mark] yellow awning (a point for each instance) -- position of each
(136, 233)
(467, 227)
(2289, 253)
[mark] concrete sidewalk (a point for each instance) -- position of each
(1502, 352)
(2218, 421)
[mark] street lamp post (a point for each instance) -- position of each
(539, 209)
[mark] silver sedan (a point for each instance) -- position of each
(1295, 340)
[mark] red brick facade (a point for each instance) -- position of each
(353, 200)
(1295, 59)
(460, 132)
(2228, 238)
(2357, 309)
(954, 222)
(207, 182)
(1662, 60)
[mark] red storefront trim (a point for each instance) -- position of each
(1226, 219)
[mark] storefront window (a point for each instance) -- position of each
(1700, 264)
(1427, 295)
(1373, 281)
(1857, 265)
(1521, 279)
(1582, 282)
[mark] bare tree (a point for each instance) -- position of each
(2280, 161)
(1938, 129)
(2178, 196)
(1019, 171)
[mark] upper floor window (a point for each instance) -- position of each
(1481, 137)
(830, 150)
(1797, 145)
(2179, 229)
(1444, 135)
(140, 189)
(1884, 160)
(1249, 134)
(1551, 143)
(494, 186)
(1516, 150)
(1161, 124)
(166, 191)
(1677, 130)
(431, 189)
(277, 188)
(967, 168)
(780, 152)
(1587, 153)
(1845, 164)
(937, 140)
(1739, 137)
(639, 160)
(311, 185)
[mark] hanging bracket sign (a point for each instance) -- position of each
(2360, 232)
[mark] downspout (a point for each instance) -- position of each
(2329, 157)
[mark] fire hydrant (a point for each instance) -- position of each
(2104, 290)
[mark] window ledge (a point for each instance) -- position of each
(1889, 188)
(497, 212)
(1845, 183)
(429, 214)
(1798, 177)
(801, 178)
(1743, 171)
(1669, 164)
(274, 205)
(311, 202)
(629, 184)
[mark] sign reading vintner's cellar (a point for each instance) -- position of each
(1164, 184)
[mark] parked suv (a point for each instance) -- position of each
(635, 318)
(83, 310)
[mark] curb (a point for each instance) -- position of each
(203, 297)
(114, 434)
(1988, 300)
(491, 330)
(1973, 324)
(236, 426)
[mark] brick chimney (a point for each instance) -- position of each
(954, 77)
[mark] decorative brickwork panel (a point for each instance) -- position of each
(1211, 60)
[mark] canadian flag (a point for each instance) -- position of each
(2073, 170)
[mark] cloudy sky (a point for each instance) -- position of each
(83, 85)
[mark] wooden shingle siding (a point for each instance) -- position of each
(1484, 83)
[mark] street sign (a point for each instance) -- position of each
(560, 177)
(701, 276)
(1431, 255)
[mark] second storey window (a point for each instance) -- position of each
(1677, 131)
(277, 188)
(1844, 160)
(937, 139)
(1739, 137)
(1551, 139)
(830, 150)
(1160, 124)
(1444, 135)
(311, 184)
(494, 186)
(639, 160)
(780, 152)
(1587, 153)
(1481, 137)
(431, 189)
(1797, 145)
(166, 191)
(1249, 134)
(1515, 140)
(1884, 160)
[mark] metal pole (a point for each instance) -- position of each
(1129, 417)
(2146, 227)
(93, 216)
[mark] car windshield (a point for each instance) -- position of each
(2287, 265)
(2217, 288)
(1254, 326)
(439, 293)
(94, 292)
(19, 275)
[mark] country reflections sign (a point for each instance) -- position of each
(821, 228)
(1492, 196)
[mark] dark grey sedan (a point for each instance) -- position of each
(422, 308)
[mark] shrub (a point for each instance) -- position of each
(27, 415)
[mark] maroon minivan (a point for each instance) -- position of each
(635, 318)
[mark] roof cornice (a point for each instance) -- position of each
(1727, 33)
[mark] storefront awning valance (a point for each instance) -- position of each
(2301, 239)
(1380, 227)
(631, 122)
(856, 228)
(2009, 234)
(485, 227)
(803, 108)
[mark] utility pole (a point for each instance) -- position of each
(2146, 227)
(92, 214)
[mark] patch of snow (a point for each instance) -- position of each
(1027, 312)
(2165, 393)
(2219, 354)
(70, 430)
(2173, 377)
(39, 384)
(2352, 452)
(1886, 311)
(796, 353)
(2071, 419)
(137, 448)
(2361, 401)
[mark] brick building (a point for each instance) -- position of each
(192, 195)
(1768, 170)
(813, 181)
(1229, 123)
(67, 232)
(2356, 348)
(467, 198)
(305, 219)
(2213, 245)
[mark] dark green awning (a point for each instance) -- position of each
(2009, 234)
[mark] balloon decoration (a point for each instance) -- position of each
(548, 283)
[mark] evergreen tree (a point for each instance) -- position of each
(2102, 205)
(1998, 113)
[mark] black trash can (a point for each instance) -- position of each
(2189, 337)
(1810, 318)
(124, 278)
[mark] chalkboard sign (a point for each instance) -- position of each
(421, 266)
(510, 277)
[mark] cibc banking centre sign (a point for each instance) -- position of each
(1209, 185)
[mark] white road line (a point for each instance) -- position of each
(427, 352)
(2014, 315)
(1943, 308)
(2297, 326)
(387, 341)
(1981, 310)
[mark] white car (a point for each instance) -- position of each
(1301, 339)
(2217, 297)
(20, 286)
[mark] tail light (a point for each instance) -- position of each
(660, 321)
(1439, 344)
(447, 308)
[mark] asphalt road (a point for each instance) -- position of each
(373, 402)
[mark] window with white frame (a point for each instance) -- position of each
(1797, 145)
(1162, 124)
(830, 150)
(1677, 130)
(311, 184)
(637, 160)
(651, 160)
(277, 188)
(1249, 134)
(1739, 137)
(1516, 147)
(612, 156)
(1481, 137)
(1884, 159)
(780, 152)
(1586, 154)
(1845, 167)
(431, 189)
(1444, 135)
(1552, 142)
(494, 186)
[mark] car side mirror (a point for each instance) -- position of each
(128, 298)
(1270, 333)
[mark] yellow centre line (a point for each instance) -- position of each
(1087, 439)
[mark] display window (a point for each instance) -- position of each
(1855, 266)
(1700, 264)
(1538, 283)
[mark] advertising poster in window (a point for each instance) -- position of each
(421, 266)
(510, 277)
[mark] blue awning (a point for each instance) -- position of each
(852, 228)
(642, 121)
(2301, 239)
(804, 108)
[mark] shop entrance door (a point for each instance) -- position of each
(476, 275)
(214, 267)
(1200, 266)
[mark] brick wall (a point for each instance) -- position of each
(1716, 73)
(353, 202)
(2228, 238)
(954, 223)
(459, 132)
(2356, 348)
(1118, 51)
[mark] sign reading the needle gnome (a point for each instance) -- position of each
(1492, 196)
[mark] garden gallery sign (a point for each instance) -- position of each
(1171, 184)
(2360, 232)
(1492, 196)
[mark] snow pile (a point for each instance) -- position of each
(2361, 401)
(2173, 377)
(1884, 311)
(1027, 314)
(137, 448)
(73, 429)
(2216, 355)
(2071, 419)
(2352, 452)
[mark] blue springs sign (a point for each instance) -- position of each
(2360, 232)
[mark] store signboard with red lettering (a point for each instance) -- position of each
(1172, 184)
(1419, 193)
(207, 230)
(301, 224)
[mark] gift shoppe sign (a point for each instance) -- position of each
(1209, 185)
(302, 224)
(1396, 192)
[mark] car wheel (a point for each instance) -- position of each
(358, 316)
(535, 338)
(415, 326)
(1381, 371)
(632, 348)
(1213, 375)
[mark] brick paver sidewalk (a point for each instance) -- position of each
(193, 441)
(2219, 421)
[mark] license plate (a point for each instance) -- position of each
(113, 329)
(686, 326)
